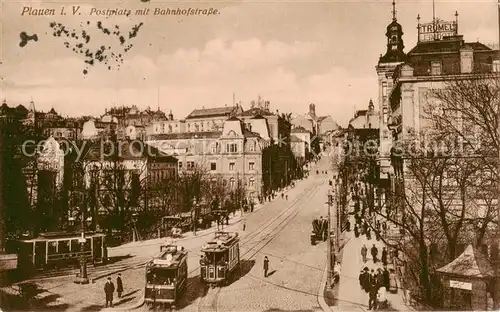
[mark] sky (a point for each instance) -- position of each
(292, 53)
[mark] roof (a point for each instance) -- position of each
(256, 111)
(300, 130)
(294, 138)
(170, 257)
(213, 112)
(471, 263)
(250, 134)
(221, 241)
(453, 44)
(185, 135)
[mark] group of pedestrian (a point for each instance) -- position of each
(375, 283)
(109, 289)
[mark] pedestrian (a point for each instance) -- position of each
(382, 298)
(286, 197)
(119, 285)
(282, 195)
(356, 231)
(348, 225)
(368, 234)
(366, 280)
(364, 250)
(384, 256)
(374, 252)
(361, 279)
(244, 225)
(372, 301)
(387, 279)
(109, 289)
(266, 266)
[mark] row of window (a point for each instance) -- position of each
(213, 166)
(214, 148)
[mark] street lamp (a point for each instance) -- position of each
(193, 215)
(82, 277)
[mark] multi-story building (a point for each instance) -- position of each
(301, 142)
(317, 125)
(408, 84)
(210, 119)
(233, 154)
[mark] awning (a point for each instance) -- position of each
(471, 263)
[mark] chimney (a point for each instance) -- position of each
(267, 105)
(312, 110)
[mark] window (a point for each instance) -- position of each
(384, 89)
(252, 182)
(251, 166)
(170, 128)
(180, 165)
(231, 166)
(436, 68)
(252, 146)
(496, 66)
(197, 127)
(190, 165)
(213, 166)
(233, 183)
(231, 148)
(215, 147)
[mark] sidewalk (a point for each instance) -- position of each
(351, 296)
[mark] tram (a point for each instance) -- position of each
(221, 256)
(166, 276)
(60, 249)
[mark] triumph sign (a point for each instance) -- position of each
(436, 30)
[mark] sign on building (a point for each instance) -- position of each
(436, 30)
(460, 285)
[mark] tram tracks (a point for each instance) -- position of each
(208, 301)
(289, 214)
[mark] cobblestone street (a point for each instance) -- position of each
(279, 229)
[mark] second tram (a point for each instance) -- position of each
(166, 276)
(221, 256)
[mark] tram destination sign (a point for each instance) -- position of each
(436, 30)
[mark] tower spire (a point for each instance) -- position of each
(394, 10)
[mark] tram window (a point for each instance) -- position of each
(88, 244)
(161, 276)
(75, 245)
(63, 246)
(52, 248)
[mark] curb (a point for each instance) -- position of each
(321, 298)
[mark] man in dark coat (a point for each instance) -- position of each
(384, 256)
(266, 266)
(109, 289)
(119, 285)
(387, 280)
(348, 225)
(356, 231)
(374, 252)
(364, 251)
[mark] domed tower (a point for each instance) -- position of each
(395, 44)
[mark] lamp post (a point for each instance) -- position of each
(329, 239)
(193, 214)
(82, 277)
(497, 260)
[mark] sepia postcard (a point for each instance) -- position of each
(299, 155)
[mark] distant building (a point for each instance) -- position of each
(317, 125)
(233, 154)
(210, 119)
